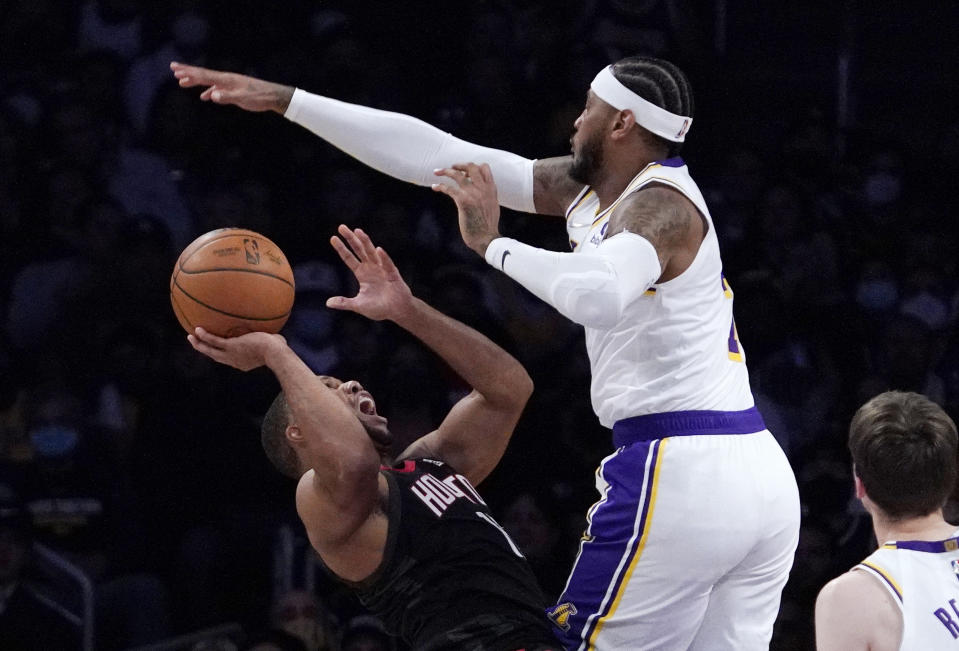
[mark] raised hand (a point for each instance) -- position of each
(249, 93)
(475, 197)
(383, 293)
(245, 352)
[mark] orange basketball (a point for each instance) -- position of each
(231, 281)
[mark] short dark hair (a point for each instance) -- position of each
(904, 446)
(660, 82)
(273, 437)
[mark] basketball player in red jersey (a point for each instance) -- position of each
(413, 538)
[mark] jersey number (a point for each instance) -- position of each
(509, 540)
(735, 351)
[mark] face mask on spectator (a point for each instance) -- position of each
(53, 440)
(877, 295)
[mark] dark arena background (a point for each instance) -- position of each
(826, 142)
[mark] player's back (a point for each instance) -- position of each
(923, 578)
(451, 577)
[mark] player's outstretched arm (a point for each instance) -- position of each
(338, 492)
(473, 437)
(398, 145)
(248, 93)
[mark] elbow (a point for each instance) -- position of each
(596, 315)
(595, 309)
(519, 388)
(524, 388)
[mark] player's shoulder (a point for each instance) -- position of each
(853, 611)
(656, 195)
(655, 211)
(855, 595)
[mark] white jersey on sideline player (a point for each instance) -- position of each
(905, 595)
(922, 577)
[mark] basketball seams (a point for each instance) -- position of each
(227, 232)
(221, 302)
(232, 232)
(224, 312)
(180, 314)
(246, 271)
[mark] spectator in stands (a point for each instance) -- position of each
(27, 621)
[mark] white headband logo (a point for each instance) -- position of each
(649, 116)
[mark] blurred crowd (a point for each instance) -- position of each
(136, 461)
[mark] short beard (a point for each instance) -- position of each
(587, 165)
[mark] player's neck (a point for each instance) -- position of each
(621, 168)
(930, 527)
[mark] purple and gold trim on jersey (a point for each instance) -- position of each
(587, 192)
(928, 546)
(618, 529)
(884, 577)
(601, 215)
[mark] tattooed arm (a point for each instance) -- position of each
(553, 189)
(667, 220)
(653, 235)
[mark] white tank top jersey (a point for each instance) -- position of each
(923, 579)
(676, 348)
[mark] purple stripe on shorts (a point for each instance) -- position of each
(600, 562)
(686, 423)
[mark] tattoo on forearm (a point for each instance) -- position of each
(282, 95)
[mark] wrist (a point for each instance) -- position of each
(406, 315)
(480, 243)
(282, 96)
(496, 251)
(274, 351)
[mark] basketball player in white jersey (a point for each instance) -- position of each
(905, 595)
(693, 534)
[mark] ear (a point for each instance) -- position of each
(293, 435)
(860, 489)
(623, 123)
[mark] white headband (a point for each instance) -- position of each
(649, 116)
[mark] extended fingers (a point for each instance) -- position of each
(206, 343)
(369, 250)
(458, 173)
(358, 241)
(193, 75)
(486, 173)
(385, 260)
(208, 337)
(346, 255)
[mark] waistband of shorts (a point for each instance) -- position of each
(686, 423)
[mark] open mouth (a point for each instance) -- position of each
(366, 405)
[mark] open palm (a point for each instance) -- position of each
(383, 293)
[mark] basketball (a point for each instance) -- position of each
(232, 281)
